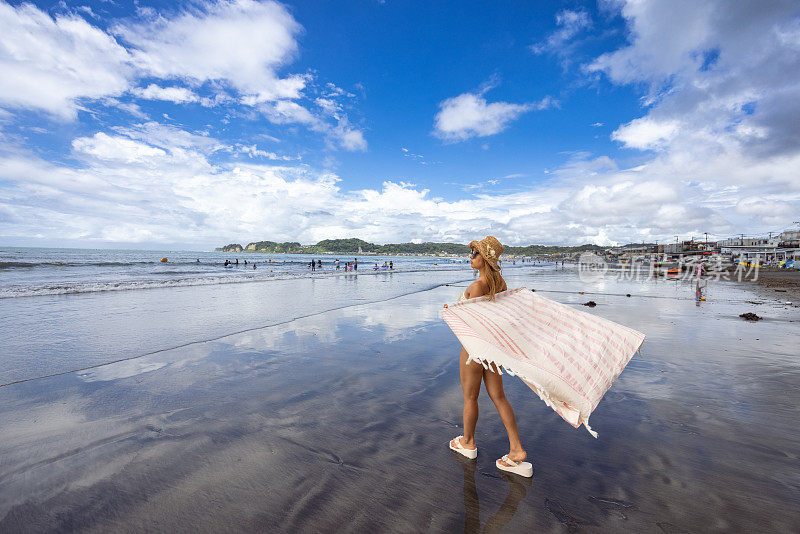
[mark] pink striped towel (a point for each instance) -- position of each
(568, 357)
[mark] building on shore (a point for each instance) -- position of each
(776, 250)
(773, 249)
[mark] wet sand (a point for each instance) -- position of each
(781, 281)
(340, 422)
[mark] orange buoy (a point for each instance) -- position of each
(163, 260)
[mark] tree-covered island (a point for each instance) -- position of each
(356, 246)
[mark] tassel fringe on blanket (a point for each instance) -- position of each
(568, 357)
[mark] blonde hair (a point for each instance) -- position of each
(493, 279)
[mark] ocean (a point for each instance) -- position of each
(69, 309)
(57, 271)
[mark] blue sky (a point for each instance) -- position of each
(200, 123)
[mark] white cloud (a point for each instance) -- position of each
(179, 95)
(470, 115)
(156, 183)
(253, 151)
(646, 133)
(233, 48)
(722, 109)
(332, 91)
(241, 41)
(570, 23)
(106, 147)
(341, 134)
(171, 137)
(51, 64)
(348, 137)
(287, 112)
(727, 79)
(329, 106)
(418, 157)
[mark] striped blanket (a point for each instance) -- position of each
(568, 357)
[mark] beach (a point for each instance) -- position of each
(326, 404)
(781, 281)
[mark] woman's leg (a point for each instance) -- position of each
(494, 387)
(471, 376)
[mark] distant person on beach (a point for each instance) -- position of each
(337, 264)
(227, 262)
(237, 261)
(355, 264)
(313, 265)
(699, 271)
(391, 265)
(485, 258)
(375, 268)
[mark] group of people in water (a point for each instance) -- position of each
(317, 264)
(348, 266)
(235, 263)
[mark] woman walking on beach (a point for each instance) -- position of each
(485, 258)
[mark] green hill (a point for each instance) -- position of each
(352, 245)
(272, 246)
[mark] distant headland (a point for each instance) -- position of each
(359, 246)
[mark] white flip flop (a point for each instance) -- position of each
(524, 469)
(469, 453)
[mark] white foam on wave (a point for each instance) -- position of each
(66, 288)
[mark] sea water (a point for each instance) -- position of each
(50, 271)
(69, 309)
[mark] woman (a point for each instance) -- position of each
(485, 258)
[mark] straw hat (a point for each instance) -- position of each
(490, 249)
